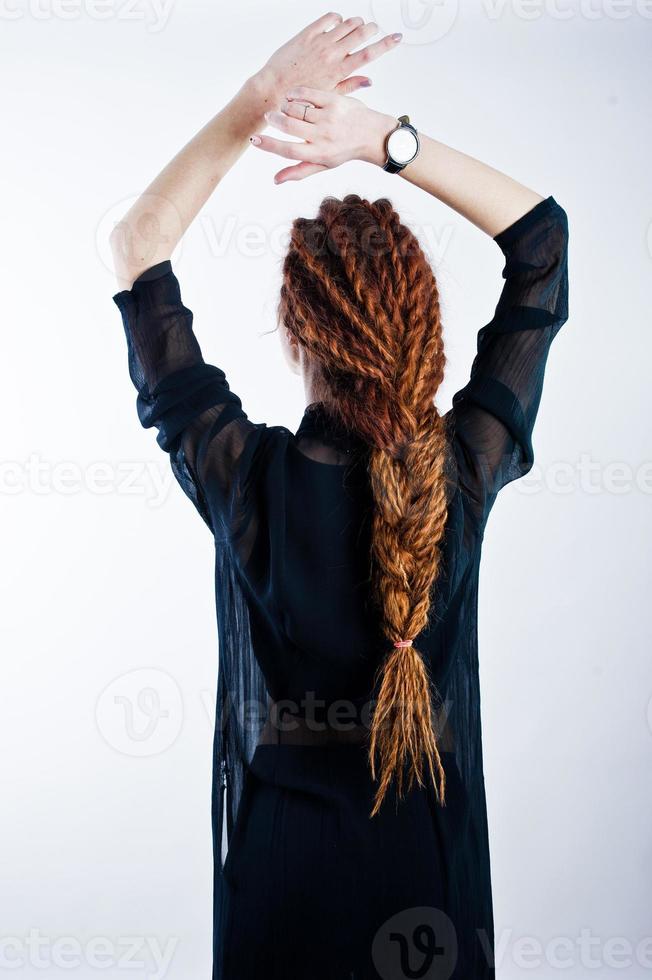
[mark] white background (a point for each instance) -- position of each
(104, 822)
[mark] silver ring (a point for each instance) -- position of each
(305, 109)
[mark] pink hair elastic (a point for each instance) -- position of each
(403, 643)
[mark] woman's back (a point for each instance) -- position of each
(292, 517)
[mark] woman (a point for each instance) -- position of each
(347, 754)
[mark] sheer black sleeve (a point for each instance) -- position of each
(200, 421)
(494, 413)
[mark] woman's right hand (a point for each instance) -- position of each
(322, 55)
(334, 129)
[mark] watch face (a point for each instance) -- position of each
(402, 145)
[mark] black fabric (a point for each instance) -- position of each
(306, 885)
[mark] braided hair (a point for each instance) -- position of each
(359, 295)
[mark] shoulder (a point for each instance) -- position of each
(266, 443)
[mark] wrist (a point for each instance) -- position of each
(249, 105)
(265, 88)
(380, 125)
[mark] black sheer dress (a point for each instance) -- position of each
(307, 886)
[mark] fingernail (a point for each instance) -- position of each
(396, 37)
(256, 140)
(365, 83)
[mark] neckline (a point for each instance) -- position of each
(320, 423)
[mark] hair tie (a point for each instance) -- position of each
(403, 643)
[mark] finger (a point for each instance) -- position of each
(324, 23)
(371, 52)
(283, 148)
(360, 36)
(345, 28)
(287, 124)
(298, 172)
(352, 84)
(301, 110)
(303, 94)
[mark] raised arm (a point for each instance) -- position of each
(326, 53)
(339, 129)
(488, 198)
(493, 415)
(200, 421)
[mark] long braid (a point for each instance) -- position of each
(360, 296)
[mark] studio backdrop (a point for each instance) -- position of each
(108, 634)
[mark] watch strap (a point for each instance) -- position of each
(392, 167)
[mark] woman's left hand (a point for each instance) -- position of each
(325, 55)
(333, 128)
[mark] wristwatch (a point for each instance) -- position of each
(402, 146)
